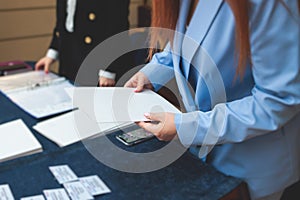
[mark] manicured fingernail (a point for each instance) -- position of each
(147, 115)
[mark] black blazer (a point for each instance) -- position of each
(94, 21)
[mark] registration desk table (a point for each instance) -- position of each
(186, 178)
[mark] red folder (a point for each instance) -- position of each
(13, 67)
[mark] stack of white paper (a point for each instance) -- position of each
(72, 127)
(118, 104)
(16, 140)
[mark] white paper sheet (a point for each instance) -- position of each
(118, 104)
(63, 173)
(5, 193)
(16, 140)
(94, 185)
(77, 191)
(55, 194)
(72, 127)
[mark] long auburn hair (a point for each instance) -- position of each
(170, 10)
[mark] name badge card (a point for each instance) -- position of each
(37, 197)
(63, 173)
(94, 185)
(77, 191)
(55, 194)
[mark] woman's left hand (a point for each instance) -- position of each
(162, 125)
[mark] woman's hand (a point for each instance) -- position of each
(139, 81)
(162, 125)
(45, 63)
(106, 82)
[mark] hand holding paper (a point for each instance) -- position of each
(118, 104)
(164, 129)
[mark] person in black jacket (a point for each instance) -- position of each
(80, 26)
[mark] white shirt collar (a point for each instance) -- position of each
(71, 8)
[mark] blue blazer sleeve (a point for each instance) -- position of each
(160, 69)
(275, 98)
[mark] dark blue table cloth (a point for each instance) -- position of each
(186, 178)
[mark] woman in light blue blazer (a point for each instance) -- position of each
(245, 110)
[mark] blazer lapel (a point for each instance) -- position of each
(180, 27)
(200, 24)
(187, 98)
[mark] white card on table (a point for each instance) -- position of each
(94, 185)
(55, 194)
(5, 193)
(77, 191)
(36, 197)
(63, 173)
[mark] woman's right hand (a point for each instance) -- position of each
(139, 81)
(45, 63)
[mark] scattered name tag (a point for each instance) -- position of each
(77, 191)
(94, 185)
(55, 194)
(63, 173)
(37, 197)
(5, 193)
